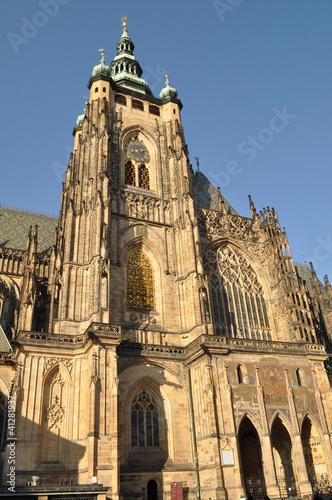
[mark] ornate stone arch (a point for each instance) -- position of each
(314, 422)
(284, 421)
(314, 451)
(238, 300)
(54, 413)
(284, 453)
(150, 160)
(159, 399)
(164, 385)
(253, 421)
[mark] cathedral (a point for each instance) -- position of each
(155, 344)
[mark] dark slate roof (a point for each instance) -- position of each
(305, 273)
(4, 343)
(207, 195)
(14, 229)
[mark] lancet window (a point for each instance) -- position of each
(144, 420)
(237, 300)
(130, 177)
(137, 171)
(143, 176)
(140, 287)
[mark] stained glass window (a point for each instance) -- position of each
(143, 175)
(144, 421)
(140, 289)
(237, 300)
(130, 174)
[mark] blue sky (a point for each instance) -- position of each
(254, 78)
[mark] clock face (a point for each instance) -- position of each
(135, 150)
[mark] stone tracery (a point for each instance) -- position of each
(237, 298)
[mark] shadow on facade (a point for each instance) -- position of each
(55, 461)
(144, 427)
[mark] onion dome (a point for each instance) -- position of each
(80, 119)
(168, 92)
(102, 68)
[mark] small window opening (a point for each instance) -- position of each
(154, 110)
(121, 99)
(300, 377)
(137, 105)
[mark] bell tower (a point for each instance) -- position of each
(126, 249)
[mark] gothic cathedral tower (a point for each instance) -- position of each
(163, 346)
(126, 232)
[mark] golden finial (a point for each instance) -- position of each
(124, 21)
(102, 52)
(166, 76)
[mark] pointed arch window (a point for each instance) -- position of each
(237, 299)
(300, 377)
(137, 168)
(242, 375)
(143, 176)
(140, 288)
(130, 177)
(144, 420)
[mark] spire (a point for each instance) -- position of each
(328, 287)
(125, 70)
(252, 208)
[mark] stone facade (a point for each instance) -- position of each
(162, 339)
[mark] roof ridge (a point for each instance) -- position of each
(26, 211)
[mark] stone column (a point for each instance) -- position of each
(299, 460)
(265, 439)
(326, 434)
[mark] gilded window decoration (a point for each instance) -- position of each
(144, 421)
(130, 174)
(143, 175)
(237, 299)
(140, 289)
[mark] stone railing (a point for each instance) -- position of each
(51, 338)
(145, 349)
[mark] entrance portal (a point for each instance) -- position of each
(314, 455)
(282, 454)
(251, 460)
(152, 490)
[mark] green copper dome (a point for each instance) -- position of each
(80, 119)
(102, 68)
(168, 91)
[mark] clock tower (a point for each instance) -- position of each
(127, 216)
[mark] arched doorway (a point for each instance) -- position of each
(152, 490)
(251, 457)
(314, 455)
(282, 454)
